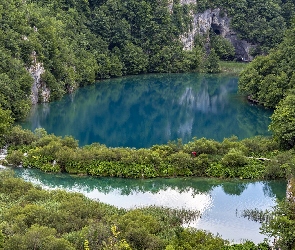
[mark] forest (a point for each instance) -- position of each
(79, 42)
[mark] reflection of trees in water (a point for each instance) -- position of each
(234, 188)
(275, 188)
(127, 186)
(140, 111)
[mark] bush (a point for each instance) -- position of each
(234, 158)
(19, 137)
(15, 158)
(202, 146)
(201, 163)
(260, 145)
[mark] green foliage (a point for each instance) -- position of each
(269, 79)
(259, 22)
(38, 237)
(232, 67)
(202, 146)
(223, 48)
(78, 42)
(195, 239)
(252, 158)
(134, 59)
(248, 245)
(20, 137)
(234, 158)
(5, 124)
(260, 145)
(282, 225)
(281, 166)
(212, 64)
(283, 122)
(15, 158)
(15, 85)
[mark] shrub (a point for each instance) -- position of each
(202, 146)
(234, 158)
(19, 137)
(201, 164)
(15, 158)
(260, 144)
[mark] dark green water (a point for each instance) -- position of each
(140, 111)
(220, 202)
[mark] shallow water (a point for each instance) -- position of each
(220, 202)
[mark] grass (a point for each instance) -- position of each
(234, 68)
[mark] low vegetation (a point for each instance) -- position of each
(256, 158)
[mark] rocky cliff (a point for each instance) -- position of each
(220, 23)
(40, 92)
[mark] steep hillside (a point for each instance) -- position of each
(50, 48)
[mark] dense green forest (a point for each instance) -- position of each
(80, 41)
(270, 80)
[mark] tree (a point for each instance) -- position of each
(5, 123)
(213, 62)
(283, 122)
(282, 225)
(134, 59)
(223, 48)
(38, 237)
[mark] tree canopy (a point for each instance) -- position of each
(270, 80)
(78, 42)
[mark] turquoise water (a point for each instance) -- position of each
(220, 202)
(140, 111)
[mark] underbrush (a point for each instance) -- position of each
(254, 158)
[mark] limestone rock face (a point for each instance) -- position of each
(220, 23)
(290, 195)
(39, 91)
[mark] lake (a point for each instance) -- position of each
(141, 111)
(220, 202)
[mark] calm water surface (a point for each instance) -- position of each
(140, 111)
(220, 202)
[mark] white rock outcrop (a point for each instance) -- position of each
(40, 92)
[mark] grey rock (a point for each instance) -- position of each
(39, 91)
(220, 23)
